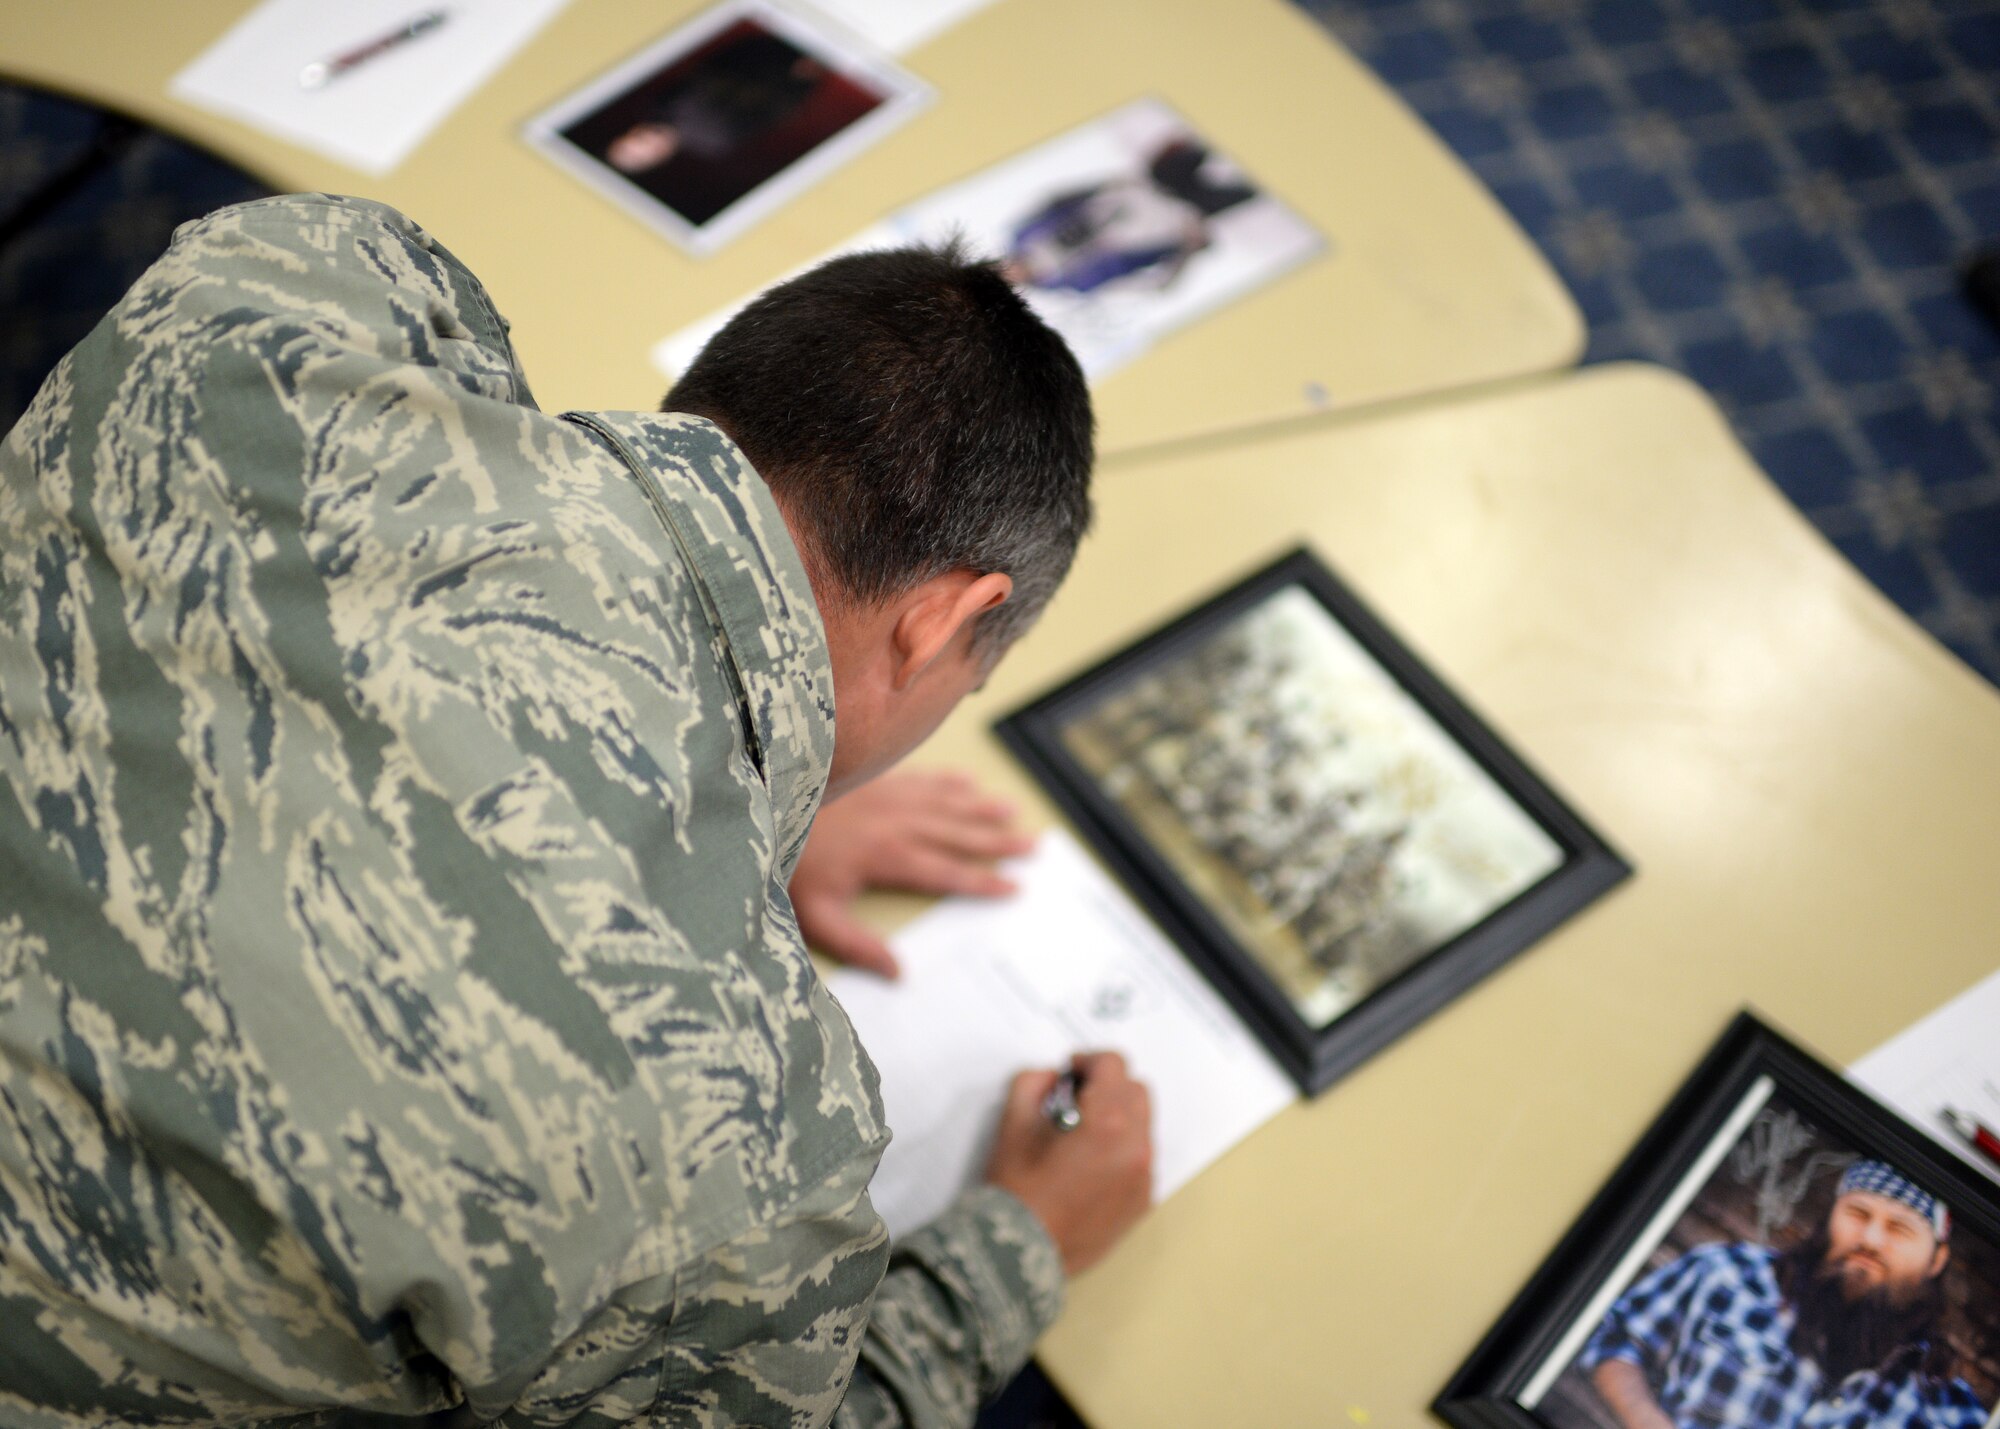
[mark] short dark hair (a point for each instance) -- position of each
(915, 416)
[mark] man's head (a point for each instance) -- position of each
(1866, 1283)
(642, 147)
(1885, 1234)
(929, 442)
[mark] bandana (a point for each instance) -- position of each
(1880, 1179)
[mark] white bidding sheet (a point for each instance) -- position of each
(992, 987)
(373, 115)
(1948, 1059)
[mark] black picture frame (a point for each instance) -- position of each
(1522, 1375)
(1315, 1052)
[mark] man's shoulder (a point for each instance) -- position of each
(329, 274)
(290, 236)
(1739, 1257)
(1739, 1267)
(302, 209)
(321, 223)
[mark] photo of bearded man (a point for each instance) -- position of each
(1867, 1283)
(1806, 1286)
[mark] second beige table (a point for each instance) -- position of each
(1808, 785)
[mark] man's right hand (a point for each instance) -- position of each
(1087, 1186)
(1625, 1388)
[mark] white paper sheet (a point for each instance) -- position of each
(1948, 1059)
(371, 117)
(993, 987)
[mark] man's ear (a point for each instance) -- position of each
(1939, 1261)
(931, 615)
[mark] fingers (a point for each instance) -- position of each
(959, 793)
(925, 832)
(941, 791)
(970, 838)
(1087, 1186)
(1024, 1133)
(1107, 1068)
(948, 809)
(830, 927)
(1106, 1090)
(1026, 1094)
(1110, 1097)
(926, 870)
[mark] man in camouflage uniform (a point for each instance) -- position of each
(401, 1009)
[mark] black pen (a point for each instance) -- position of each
(1059, 1106)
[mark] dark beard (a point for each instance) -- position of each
(1842, 1336)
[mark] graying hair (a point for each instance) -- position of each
(916, 417)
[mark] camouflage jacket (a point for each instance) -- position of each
(401, 1011)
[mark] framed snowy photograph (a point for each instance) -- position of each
(1324, 827)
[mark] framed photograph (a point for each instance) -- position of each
(712, 128)
(1118, 233)
(1779, 1250)
(1327, 831)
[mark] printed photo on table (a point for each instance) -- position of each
(722, 121)
(1797, 1273)
(1806, 1284)
(1122, 230)
(1119, 233)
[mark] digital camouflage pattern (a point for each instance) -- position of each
(400, 1006)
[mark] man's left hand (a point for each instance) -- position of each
(923, 831)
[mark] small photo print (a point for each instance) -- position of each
(1117, 233)
(1333, 827)
(721, 122)
(1792, 1281)
(1122, 230)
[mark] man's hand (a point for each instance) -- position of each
(1087, 1186)
(921, 832)
(1624, 1387)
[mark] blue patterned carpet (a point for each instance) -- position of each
(1777, 199)
(87, 200)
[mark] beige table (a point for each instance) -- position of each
(1809, 786)
(1429, 286)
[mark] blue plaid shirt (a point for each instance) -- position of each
(1713, 1334)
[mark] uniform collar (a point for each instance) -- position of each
(729, 531)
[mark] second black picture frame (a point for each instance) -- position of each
(1778, 1250)
(1331, 834)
